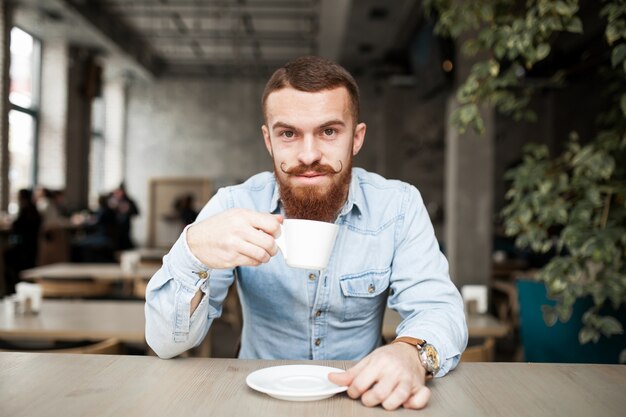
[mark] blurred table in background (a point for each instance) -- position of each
(95, 275)
(149, 255)
(478, 325)
(77, 320)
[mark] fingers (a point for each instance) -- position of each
(346, 378)
(237, 237)
(340, 378)
(418, 400)
(268, 223)
(381, 392)
(387, 377)
(254, 252)
(261, 240)
(362, 382)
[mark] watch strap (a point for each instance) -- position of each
(411, 341)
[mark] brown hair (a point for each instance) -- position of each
(313, 74)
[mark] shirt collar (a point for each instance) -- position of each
(274, 203)
(355, 197)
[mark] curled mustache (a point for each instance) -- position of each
(314, 167)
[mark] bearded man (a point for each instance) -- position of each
(386, 253)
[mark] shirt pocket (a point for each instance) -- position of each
(363, 293)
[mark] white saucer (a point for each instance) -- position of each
(295, 382)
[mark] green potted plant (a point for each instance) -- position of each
(574, 203)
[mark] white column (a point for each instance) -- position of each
(115, 91)
(51, 162)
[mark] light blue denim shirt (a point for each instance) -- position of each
(386, 253)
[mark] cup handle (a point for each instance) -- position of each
(282, 243)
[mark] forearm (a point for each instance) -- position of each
(177, 308)
(195, 301)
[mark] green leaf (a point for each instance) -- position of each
(575, 25)
(564, 9)
(610, 326)
(611, 34)
(587, 334)
(618, 55)
(549, 315)
(542, 51)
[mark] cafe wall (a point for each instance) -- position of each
(191, 129)
(195, 128)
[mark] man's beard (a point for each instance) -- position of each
(314, 203)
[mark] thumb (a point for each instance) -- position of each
(340, 378)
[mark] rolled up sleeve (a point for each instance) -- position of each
(170, 330)
(421, 289)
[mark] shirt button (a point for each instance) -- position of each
(318, 342)
(203, 274)
(318, 313)
(371, 289)
(312, 277)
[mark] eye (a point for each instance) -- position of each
(287, 134)
(329, 132)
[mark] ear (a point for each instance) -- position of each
(266, 138)
(359, 137)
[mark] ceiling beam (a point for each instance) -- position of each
(234, 13)
(120, 34)
(214, 4)
(262, 36)
(248, 68)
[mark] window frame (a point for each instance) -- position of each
(34, 109)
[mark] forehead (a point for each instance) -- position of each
(289, 105)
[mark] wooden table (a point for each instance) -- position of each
(478, 325)
(154, 255)
(95, 271)
(99, 385)
(78, 320)
(65, 279)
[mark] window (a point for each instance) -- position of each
(97, 151)
(23, 116)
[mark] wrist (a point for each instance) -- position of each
(427, 354)
(193, 242)
(411, 352)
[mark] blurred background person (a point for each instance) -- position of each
(21, 252)
(101, 234)
(125, 209)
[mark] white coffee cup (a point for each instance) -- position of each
(307, 243)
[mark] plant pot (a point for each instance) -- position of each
(559, 343)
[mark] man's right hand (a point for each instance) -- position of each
(237, 237)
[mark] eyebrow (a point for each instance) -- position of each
(279, 125)
(332, 123)
(282, 125)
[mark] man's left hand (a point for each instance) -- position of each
(392, 376)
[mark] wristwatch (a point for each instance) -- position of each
(427, 353)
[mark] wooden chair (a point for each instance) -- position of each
(480, 353)
(110, 346)
(139, 289)
(231, 309)
(54, 246)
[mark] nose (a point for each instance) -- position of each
(309, 153)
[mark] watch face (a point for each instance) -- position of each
(430, 357)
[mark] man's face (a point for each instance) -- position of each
(312, 139)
